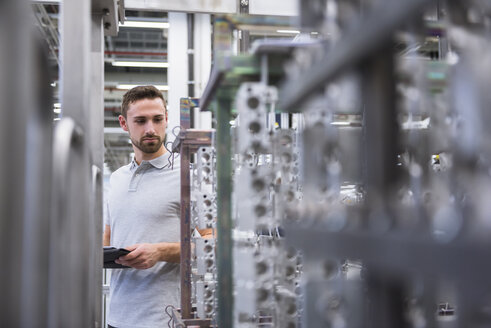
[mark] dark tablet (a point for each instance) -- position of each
(111, 254)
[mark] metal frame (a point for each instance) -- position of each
(226, 77)
(51, 195)
(392, 255)
(188, 142)
(195, 6)
(179, 322)
(25, 178)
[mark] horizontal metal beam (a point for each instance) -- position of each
(398, 252)
(198, 6)
(274, 7)
(361, 42)
(46, 2)
(193, 138)
(182, 323)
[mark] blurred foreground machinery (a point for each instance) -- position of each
(350, 175)
(394, 222)
(51, 173)
(367, 154)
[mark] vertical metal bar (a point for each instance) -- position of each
(380, 132)
(222, 38)
(191, 82)
(16, 74)
(264, 69)
(244, 34)
(224, 213)
(380, 123)
(96, 135)
(386, 303)
(34, 290)
(185, 233)
(71, 276)
(185, 113)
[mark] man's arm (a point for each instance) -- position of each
(206, 233)
(145, 256)
(106, 240)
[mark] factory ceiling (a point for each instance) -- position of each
(132, 44)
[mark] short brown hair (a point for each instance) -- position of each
(139, 93)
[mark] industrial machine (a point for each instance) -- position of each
(352, 179)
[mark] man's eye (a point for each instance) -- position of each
(139, 121)
(158, 119)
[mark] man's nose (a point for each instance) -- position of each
(150, 128)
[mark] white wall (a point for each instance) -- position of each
(177, 73)
(202, 52)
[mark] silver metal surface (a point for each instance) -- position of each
(281, 8)
(109, 11)
(25, 173)
(364, 39)
(194, 6)
(265, 179)
(96, 135)
(75, 284)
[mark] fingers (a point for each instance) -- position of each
(138, 263)
(129, 261)
(138, 258)
(134, 252)
(132, 247)
(131, 256)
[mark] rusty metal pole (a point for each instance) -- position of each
(185, 234)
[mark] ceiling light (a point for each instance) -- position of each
(57, 110)
(141, 24)
(288, 31)
(140, 64)
(341, 123)
(130, 86)
(57, 105)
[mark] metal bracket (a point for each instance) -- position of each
(112, 12)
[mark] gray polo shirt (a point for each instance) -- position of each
(144, 207)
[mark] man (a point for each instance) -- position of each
(143, 216)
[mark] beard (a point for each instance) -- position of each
(148, 147)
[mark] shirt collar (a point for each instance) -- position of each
(159, 162)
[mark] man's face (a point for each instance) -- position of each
(145, 122)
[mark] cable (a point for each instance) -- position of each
(170, 315)
(177, 126)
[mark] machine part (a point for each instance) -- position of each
(254, 101)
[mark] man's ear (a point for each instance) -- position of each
(122, 122)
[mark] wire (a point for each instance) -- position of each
(177, 126)
(170, 152)
(170, 315)
(173, 155)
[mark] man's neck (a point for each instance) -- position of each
(141, 156)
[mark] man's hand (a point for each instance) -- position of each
(141, 256)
